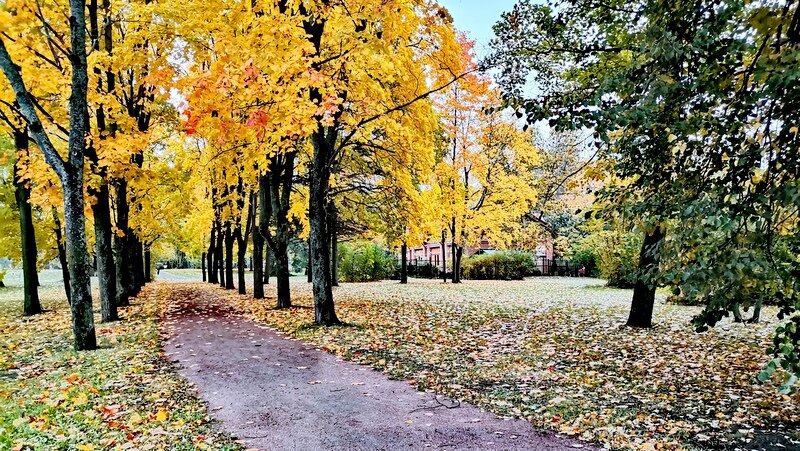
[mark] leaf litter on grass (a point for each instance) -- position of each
(124, 395)
(553, 351)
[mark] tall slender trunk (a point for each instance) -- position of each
(229, 239)
(62, 254)
(219, 255)
(267, 264)
(103, 245)
(644, 292)
(212, 273)
(78, 263)
(308, 261)
(148, 272)
(280, 184)
(404, 263)
(458, 253)
(257, 203)
(444, 256)
(139, 278)
(203, 265)
(122, 246)
(334, 245)
(22, 193)
(323, 140)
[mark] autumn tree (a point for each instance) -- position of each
(69, 169)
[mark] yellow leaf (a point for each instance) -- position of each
(161, 415)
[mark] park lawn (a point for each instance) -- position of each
(123, 396)
(552, 350)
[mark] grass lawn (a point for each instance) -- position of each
(553, 351)
(122, 396)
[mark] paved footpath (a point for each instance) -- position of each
(276, 393)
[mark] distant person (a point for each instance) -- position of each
(582, 271)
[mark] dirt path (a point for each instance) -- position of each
(280, 394)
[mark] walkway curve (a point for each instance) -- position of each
(276, 393)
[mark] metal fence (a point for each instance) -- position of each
(429, 268)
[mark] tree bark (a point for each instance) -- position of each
(62, 255)
(124, 263)
(22, 192)
(323, 141)
(444, 256)
(138, 264)
(280, 184)
(258, 244)
(267, 264)
(308, 261)
(219, 255)
(644, 292)
(334, 245)
(103, 245)
(229, 239)
(203, 265)
(212, 273)
(404, 263)
(148, 272)
(458, 253)
(78, 263)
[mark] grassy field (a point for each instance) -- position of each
(123, 396)
(554, 351)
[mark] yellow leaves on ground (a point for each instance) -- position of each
(552, 351)
(124, 394)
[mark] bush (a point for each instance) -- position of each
(507, 265)
(618, 260)
(586, 257)
(364, 262)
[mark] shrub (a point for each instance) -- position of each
(586, 257)
(618, 260)
(507, 265)
(364, 262)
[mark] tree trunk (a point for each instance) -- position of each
(458, 253)
(103, 245)
(280, 183)
(62, 255)
(756, 312)
(219, 255)
(203, 265)
(256, 204)
(212, 274)
(229, 238)
(644, 292)
(240, 267)
(78, 263)
(444, 256)
(122, 246)
(22, 193)
(334, 245)
(323, 140)
(404, 263)
(308, 261)
(148, 272)
(138, 264)
(267, 264)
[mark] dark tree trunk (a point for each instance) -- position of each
(444, 256)
(78, 263)
(458, 251)
(334, 245)
(103, 245)
(241, 252)
(644, 292)
(756, 312)
(404, 263)
(212, 274)
(148, 273)
(122, 246)
(138, 264)
(323, 140)
(62, 255)
(203, 265)
(257, 204)
(280, 184)
(229, 239)
(219, 255)
(308, 262)
(267, 264)
(22, 193)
